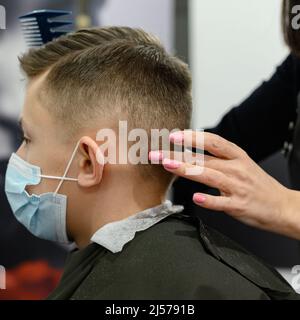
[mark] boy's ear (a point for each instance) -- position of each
(91, 170)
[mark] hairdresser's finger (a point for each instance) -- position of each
(207, 176)
(210, 142)
(156, 157)
(217, 203)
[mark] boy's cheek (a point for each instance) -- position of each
(44, 186)
(21, 151)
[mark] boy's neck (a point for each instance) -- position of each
(118, 207)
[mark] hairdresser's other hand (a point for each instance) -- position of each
(247, 193)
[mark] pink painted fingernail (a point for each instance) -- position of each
(176, 137)
(199, 198)
(155, 156)
(171, 164)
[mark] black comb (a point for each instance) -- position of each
(40, 26)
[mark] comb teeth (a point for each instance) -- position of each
(27, 19)
(40, 26)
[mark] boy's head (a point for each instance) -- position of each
(90, 80)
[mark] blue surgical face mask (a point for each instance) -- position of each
(43, 215)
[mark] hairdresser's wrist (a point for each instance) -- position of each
(290, 214)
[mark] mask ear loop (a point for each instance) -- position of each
(67, 170)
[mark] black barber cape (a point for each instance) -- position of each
(178, 258)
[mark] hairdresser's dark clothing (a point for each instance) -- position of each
(177, 258)
(267, 121)
(260, 125)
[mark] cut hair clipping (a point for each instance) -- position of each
(42, 26)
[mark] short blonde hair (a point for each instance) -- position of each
(116, 73)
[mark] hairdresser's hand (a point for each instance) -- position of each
(248, 193)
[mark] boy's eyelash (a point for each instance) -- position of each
(26, 139)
